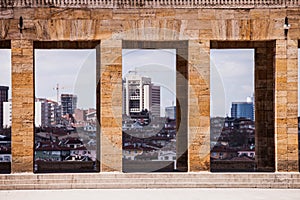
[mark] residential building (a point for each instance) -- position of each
(80, 116)
(91, 117)
(223, 153)
(47, 112)
(131, 151)
(5, 148)
(3, 98)
(247, 152)
(42, 113)
(68, 103)
(55, 112)
(168, 152)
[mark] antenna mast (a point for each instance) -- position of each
(57, 92)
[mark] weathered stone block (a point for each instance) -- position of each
(165, 13)
(260, 29)
(26, 13)
(226, 14)
(165, 25)
(259, 13)
(186, 14)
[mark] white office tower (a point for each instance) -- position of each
(140, 94)
(7, 114)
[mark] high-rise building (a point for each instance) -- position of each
(55, 112)
(7, 114)
(140, 94)
(3, 98)
(68, 103)
(155, 98)
(242, 109)
(170, 112)
(47, 112)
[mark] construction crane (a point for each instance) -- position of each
(57, 88)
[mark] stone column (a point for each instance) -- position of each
(286, 101)
(264, 106)
(111, 106)
(182, 105)
(199, 106)
(22, 106)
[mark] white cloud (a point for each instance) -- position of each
(133, 58)
(73, 70)
(232, 71)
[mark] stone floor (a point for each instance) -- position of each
(153, 194)
(58, 181)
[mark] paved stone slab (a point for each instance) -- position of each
(150, 194)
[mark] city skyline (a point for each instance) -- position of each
(77, 74)
(232, 79)
(156, 64)
(226, 57)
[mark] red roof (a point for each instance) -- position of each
(222, 149)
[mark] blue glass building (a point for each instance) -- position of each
(242, 109)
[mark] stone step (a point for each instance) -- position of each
(151, 180)
(149, 175)
(144, 186)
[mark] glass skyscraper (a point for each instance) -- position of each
(242, 109)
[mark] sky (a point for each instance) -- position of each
(232, 78)
(231, 75)
(5, 73)
(159, 65)
(73, 70)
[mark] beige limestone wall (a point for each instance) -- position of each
(22, 105)
(199, 106)
(111, 106)
(286, 101)
(111, 26)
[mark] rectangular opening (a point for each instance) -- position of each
(232, 110)
(67, 133)
(242, 98)
(150, 106)
(5, 107)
